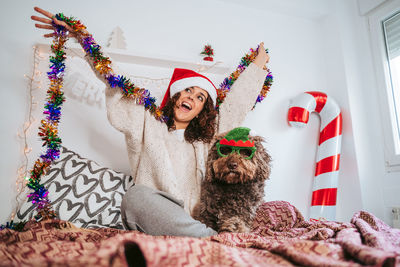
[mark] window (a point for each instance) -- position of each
(385, 39)
(391, 30)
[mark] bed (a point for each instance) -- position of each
(89, 232)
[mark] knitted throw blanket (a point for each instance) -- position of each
(280, 236)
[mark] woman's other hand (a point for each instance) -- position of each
(262, 57)
(46, 22)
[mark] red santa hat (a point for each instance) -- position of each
(184, 78)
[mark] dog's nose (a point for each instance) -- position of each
(232, 165)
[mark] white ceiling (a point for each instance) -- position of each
(312, 9)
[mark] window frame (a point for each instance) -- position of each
(383, 78)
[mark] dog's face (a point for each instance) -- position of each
(237, 167)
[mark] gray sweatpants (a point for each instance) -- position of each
(158, 213)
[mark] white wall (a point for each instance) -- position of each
(307, 53)
(379, 188)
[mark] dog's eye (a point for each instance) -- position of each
(245, 152)
(225, 150)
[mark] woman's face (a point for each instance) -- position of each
(189, 105)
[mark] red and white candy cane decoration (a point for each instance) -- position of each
(323, 201)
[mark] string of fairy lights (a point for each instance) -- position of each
(34, 83)
(48, 131)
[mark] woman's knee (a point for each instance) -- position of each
(135, 196)
(133, 205)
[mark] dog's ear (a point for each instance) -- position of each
(209, 173)
(218, 137)
(212, 156)
(262, 158)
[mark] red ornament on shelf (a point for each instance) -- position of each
(208, 52)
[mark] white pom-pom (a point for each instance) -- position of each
(252, 133)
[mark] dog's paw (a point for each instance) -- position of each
(243, 228)
(234, 225)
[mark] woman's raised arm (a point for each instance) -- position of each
(262, 57)
(243, 93)
(47, 22)
(122, 112)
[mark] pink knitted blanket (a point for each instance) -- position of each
(280, 236)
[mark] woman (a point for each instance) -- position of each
(168, 160)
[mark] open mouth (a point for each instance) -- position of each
(232, 173)
(231, 176)
(186, 106)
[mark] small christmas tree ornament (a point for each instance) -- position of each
(117, 39)
(208, 52)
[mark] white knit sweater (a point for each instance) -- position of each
(157, 157)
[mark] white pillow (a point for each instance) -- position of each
(82, 192)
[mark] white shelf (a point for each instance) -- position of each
(125, 56)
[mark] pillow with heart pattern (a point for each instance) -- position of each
(82, 192)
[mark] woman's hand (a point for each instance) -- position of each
(47, 22)
(262, 58)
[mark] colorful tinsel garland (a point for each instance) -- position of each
(48, 131)
(142, 96)
(227, 83)
(102, 64)
(49, 126)
(18, 226)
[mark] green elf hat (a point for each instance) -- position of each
(237, 140)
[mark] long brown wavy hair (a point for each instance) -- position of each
(201, 127)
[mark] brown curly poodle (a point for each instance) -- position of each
(234, 184)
